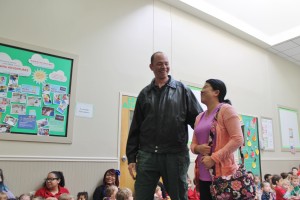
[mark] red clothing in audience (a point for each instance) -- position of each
(193, 194)
(45, 193)
(279, 193)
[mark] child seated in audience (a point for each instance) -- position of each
(110, 192)
(295, 171)
(3, 196)
(25, 197)
(280, 191)
(193, 194)
(4, 188)
(257, 187)
(158, 194)
(65, 196)
(37, 198)
(286, 185)
(266, 191)
(124, 194)
(82, 196)
(295, 183)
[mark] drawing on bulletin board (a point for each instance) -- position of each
(267, 134)
(35, 93)
(289, 129)
(251, 149)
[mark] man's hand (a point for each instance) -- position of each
(132, 170)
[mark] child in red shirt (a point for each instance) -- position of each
(280, 191)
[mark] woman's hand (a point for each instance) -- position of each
(203, 149)
(207, 161)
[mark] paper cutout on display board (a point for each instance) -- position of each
(251, 148)
(38, 61)
(9, 66)
(254, 164)
(39, 76)
(58, 76)
(249, 143)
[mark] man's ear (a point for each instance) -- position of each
(151, 66)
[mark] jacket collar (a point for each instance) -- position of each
(171, 83)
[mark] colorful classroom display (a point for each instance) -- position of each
(251, 149)
(34, 92)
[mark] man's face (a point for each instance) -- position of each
(160, 66)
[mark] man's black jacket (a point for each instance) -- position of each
(160, 119)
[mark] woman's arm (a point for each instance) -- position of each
(233, 127)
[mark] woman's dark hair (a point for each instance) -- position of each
(85, 194)
(112, 172)
(275, 178)
(217, 84)
(60, 176)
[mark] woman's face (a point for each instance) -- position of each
(52, 181)
(207, 93)
(110, 178)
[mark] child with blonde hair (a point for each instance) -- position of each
(124, 194)
(266, 191)
(110, 192)
(3, 196)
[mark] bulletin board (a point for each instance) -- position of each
(289, 129)
(251, 149)
(35, 93)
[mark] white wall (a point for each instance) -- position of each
(114, 41)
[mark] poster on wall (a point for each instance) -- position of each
(251, 149)
(35, 92)
(267, 134)
(289, 129)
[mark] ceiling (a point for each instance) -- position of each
(272, 24)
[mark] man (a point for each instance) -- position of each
(158, 136)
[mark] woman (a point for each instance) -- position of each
(4, 188)
(228, 137)
(53, 186)
(111, 177)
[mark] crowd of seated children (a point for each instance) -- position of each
(283, 187)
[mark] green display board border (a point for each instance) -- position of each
(67, 138)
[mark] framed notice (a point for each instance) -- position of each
(267, 133)
(289, 129)
(36, 93)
